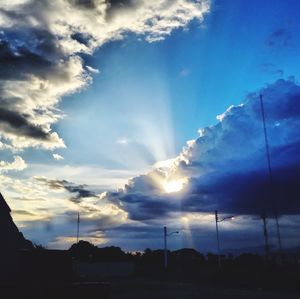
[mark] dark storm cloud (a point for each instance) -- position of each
(145, 207)
(79, 192)
(112, 4)
(34, 69)
(18, 124)
(29, 56)
(247, 193)
(15, 65)
(226, 167)
(52, 183)
(142, 198)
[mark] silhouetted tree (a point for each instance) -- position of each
(111, 253)
(83, 250)
(188, 255)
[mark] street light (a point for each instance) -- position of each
(166, 234)
(217, 230)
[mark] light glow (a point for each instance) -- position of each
(174, 186)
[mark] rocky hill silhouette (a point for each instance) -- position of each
(12, 240)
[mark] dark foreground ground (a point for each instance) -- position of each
(136, 288)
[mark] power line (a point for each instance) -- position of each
(271, 182)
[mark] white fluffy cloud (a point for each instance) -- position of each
(57, 157)
(40, 44)
(18, 164)
(238, 136)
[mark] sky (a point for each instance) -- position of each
(142, 114)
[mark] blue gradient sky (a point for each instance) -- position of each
(179, 84)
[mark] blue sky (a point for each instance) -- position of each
(101, 100)
(182, 82)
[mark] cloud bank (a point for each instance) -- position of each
(225, 168)
(41, 43)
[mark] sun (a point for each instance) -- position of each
(174, 186)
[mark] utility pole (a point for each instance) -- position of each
(267, 248)
(217, 231)
(271, 184)
(78, 221)
(218, 240)
(165, 248)
(166, 234)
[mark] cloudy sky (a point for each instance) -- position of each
(139, 114)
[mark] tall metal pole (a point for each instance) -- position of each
(78, 221)
(270, 173)
(165, 248)
(218, 240)
(267, 248)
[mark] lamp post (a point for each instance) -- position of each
(166, 234)
(217, 231)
